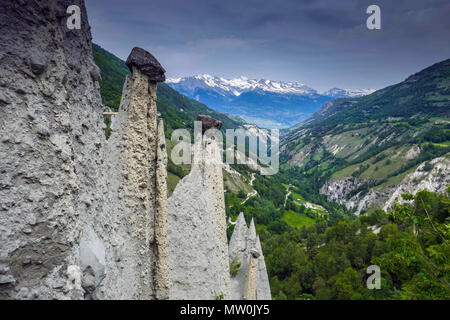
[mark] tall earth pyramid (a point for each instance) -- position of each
(198, 248)
(80, 217)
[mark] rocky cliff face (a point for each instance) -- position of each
(51, 144)
(75, 221)
(341, 191)
(435, 179)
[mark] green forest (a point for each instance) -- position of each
(330, 262)
(329, 258)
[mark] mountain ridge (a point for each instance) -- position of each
(424, 93)
(241, 84)
(267, 103)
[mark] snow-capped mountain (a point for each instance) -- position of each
(239, 85)
(267, 103)
(347, 93)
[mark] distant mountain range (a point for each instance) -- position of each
(267, 103)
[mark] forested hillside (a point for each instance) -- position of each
(391, 141)
(410, 244)
(113, 71)
(423, 94)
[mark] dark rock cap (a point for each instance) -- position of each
(209, 122)
(255, 254)
(146, 63)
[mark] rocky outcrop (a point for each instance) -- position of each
(198, 250)
(435, 179)
(51, 143)
(82, 217)
(345, 191)
(340, 191)
(251, 281)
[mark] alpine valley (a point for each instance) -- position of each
(95, 203)
(364, 178)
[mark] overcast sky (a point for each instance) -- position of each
(321, 43)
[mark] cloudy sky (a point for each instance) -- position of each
(322, 43)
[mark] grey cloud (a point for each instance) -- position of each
(318, 42)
